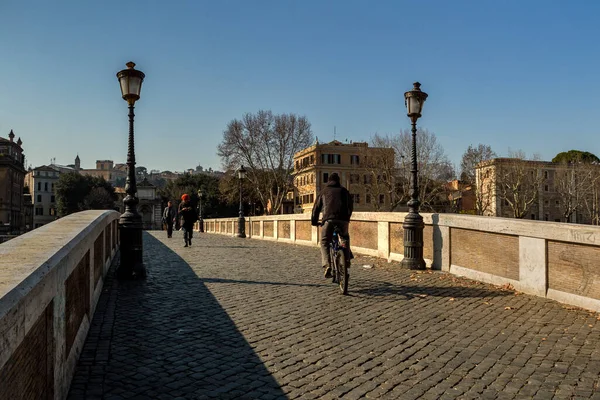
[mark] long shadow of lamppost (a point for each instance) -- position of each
(130, 222)
(413, 222)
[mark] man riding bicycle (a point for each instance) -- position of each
(336, 204)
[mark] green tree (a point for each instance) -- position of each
(75, 192)
(213, 203)
(576, 156)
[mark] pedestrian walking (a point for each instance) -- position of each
(188, 217)
(169, 217)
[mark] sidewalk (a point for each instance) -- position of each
(232, 318)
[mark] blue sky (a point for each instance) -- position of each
(511, 74)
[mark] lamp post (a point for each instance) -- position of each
(241, 220)
(413, 222)
(130, 222)
(200, 222)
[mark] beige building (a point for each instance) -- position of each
(113, 174)
(41, 182)
(12, 172)
(540, 190)
(353, 162)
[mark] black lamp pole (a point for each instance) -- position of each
(413, 222)
(130, 222)
(200, 221)
(241, 220)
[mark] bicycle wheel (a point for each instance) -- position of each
(342, 269)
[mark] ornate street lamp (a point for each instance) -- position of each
(413, 223)
(130, 222)
(241, 220)
(200, 221)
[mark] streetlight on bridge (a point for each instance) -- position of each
(200, 221)
(413, 223)
(130, 222)
(241, 220)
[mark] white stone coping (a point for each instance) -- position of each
(559, 231)
(27, 259)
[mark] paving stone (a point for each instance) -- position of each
(232, 318)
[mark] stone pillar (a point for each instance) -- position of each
(532, 266)
(441, 248)
(293, 230)
(383, 239)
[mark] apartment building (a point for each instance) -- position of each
(557, 192)
(41, 182)
(12, 171)
(355, 163)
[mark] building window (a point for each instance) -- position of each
(52, 199)
(532, 216)
(545, 174)
(39, 211)
(52, 187)
(325, 177)
(354, 178)
(354, 160)
(357, 198)
(381, 198)
(546, 217)
(368, 199)
(545, 188)
(505, 202)
(557, 203)
(39, 198)
(39, 185)
(312, 197)
(557, 220)
(45, 186)
(546, 202)
(53, 211)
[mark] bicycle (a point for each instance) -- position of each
(340, 260)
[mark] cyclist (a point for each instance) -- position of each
(336, 204)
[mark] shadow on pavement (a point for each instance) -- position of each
(378, 288)
(167, 337)
(219, 280)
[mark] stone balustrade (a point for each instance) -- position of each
(548, 259)
(50, 282)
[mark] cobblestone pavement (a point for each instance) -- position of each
(232, 318)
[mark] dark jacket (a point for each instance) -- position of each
(187, 214)
(169, 215)
(335, 202)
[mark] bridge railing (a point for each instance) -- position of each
(549, 259)
(50, 282)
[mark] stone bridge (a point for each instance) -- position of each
(232, 318)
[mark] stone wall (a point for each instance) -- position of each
(50, 282)
(549, 259)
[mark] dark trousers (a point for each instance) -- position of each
(170, 230)
(188, 233)
(327, 234)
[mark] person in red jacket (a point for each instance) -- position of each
(188, 216)
(336, 203)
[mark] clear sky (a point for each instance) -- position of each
(515, 73)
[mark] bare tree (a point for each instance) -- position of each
(434, 166)
(574, 184)
(518, 182)
(266, 144)
(381, 173)
(591, 202)
(471, 158)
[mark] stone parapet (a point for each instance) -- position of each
(50, 281)
(549, 259)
